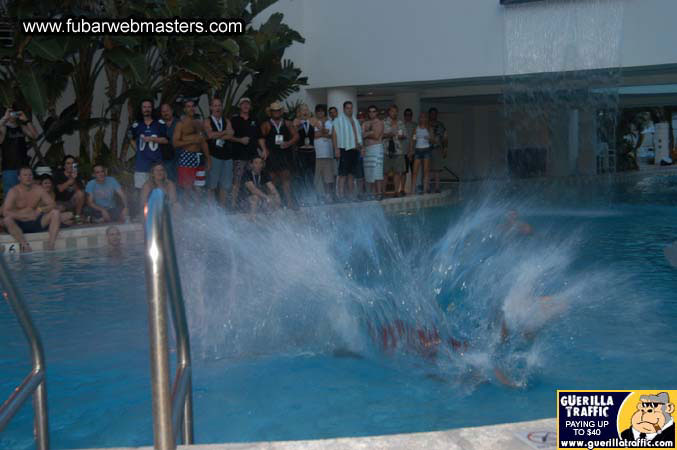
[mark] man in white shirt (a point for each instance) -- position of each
(347, 140)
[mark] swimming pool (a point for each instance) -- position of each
(287, 319)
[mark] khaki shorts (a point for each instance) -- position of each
(395, 164)
(324, 170)
(140, 179)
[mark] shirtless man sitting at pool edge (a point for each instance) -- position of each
(23, 213)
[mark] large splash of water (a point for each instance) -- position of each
(461, 294)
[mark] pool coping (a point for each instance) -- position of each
(570, 180)
(508, 436)
(76, 237)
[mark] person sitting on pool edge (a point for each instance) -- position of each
(23, 213)
(255, 182)
(158, 180)
(69, 188)
(101, 197)
(47, 183)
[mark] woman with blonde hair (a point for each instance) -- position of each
(420, 148)
(158, 180)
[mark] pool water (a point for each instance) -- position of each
(287, 319)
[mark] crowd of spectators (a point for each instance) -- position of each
(237, 163)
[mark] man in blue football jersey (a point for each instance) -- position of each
(148, 135)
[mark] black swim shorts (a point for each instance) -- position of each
(31, 226)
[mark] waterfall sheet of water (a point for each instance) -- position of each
(562, 67)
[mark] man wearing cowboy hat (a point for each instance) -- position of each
(278, 136)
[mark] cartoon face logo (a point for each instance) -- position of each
(653, 419)
(653, 412)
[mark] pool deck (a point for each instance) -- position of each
(92, 236)
(537, 434)
(82, 237)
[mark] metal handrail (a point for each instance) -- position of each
(34, 383)
(456, 177)
(170, 406)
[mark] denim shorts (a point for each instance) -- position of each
(423, 153)
(221, 174)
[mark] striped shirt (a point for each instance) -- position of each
(345, 137)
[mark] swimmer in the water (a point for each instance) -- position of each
(114, 240)
(513, 223)
(427, 341)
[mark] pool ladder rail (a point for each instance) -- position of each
(172, 408)
(34, 383)
(172, 403)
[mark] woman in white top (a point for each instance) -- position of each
(324, 154)
(419, 147)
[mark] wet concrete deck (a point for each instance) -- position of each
(537, 434)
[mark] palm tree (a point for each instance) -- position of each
(266, 74)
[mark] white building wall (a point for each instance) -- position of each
(361, 42)
(358, 42)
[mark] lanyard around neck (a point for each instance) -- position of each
(219, 123)
(277, 127)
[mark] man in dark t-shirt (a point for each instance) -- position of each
(245, 142)
(14, 128)
(69, 187)
(257, 188)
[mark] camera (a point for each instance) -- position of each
(15, 114)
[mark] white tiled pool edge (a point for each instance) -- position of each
(73, 238)
(491, 437)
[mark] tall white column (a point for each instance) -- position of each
(410, 100)
(573, 141)
(336, 97)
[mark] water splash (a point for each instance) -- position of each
(460, 295)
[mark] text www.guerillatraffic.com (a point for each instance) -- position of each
(616, 443)
(132, 26)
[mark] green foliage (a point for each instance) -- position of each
(39, 69)
(268, 76)
(291, 108)
(54, 155)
